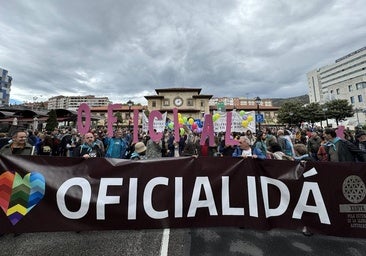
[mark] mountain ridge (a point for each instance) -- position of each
(303, 99)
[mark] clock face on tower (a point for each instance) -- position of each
(178, 101)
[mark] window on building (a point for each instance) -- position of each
(350, 88)
(243, 102)
(268, 103)
(359, 98)
(361, 85)
(189, 102)
(331, 91)
(352, 99)
(166, 102)
(202, 103)
(337, 91)
(153, 104)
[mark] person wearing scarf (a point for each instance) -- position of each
(89, 148)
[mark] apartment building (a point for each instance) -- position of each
(343, 79)
(5, 84)
(73, 102)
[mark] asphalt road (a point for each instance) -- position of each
(198, 241)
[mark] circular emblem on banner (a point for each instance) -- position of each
(354, 189)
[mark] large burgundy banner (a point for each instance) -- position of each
(72, 194)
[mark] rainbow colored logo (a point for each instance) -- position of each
(19, 195)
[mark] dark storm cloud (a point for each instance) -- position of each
(126, 49)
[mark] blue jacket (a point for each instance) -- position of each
(116, 148)
(255, 151)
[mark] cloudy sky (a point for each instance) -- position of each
(126, 49)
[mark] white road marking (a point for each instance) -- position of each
(165, 242)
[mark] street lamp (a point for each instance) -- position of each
(258, 101)
(291, 114)
(129, 103)
(358, 120)
(325, 115)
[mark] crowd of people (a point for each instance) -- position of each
(291, 144)
(310, 144)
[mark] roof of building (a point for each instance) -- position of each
(182, 89)
(122, 108)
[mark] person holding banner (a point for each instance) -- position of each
(225, 149)
(244, 150)
(117, 146)
(140, 151)
(89, 148)
(18, 145)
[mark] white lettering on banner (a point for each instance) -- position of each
(85, 197)
(252, 196)
(202, 182)
(149, 209)
(103, 199)
(202, 188)
(132, 199)
(178, 212)
(284, 199)
(226, 209)
(319, 208)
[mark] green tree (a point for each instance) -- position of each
(42, 105)
(51, 120)
(290, 113)
(312, 113)
(339, 110)
(118, 115)
(147, 112)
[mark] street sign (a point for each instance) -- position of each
(221, 107)
(259, 118)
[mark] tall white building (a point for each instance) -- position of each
(5, 84)
(73, 102)
(344, 79)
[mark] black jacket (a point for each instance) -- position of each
(93, 150)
